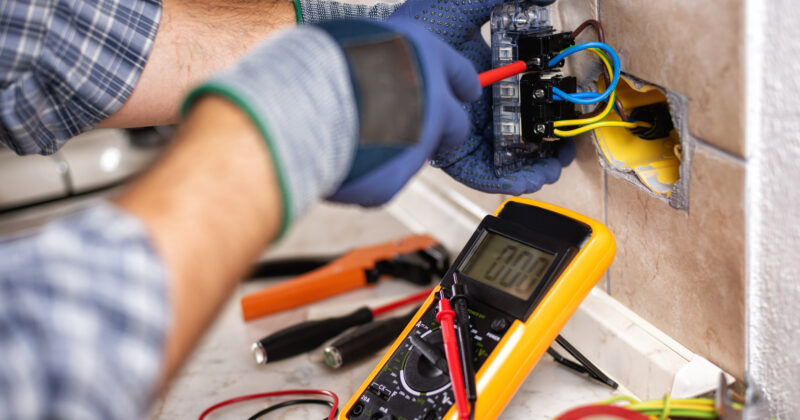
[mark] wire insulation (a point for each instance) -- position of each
(691, 408)
(235, 400)
(285, 404)
(606, 74)
(601, 124)
(580, 47)
(380, 310)
(605, 111)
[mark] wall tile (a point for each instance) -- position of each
(685, 272)
(580, 187)
(692, 47)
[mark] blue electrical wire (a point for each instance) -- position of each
(581, 95)
(591, 98)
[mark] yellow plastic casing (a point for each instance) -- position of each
(525, 342)
(655, 162)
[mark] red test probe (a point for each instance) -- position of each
(497, 74)
(445, 316)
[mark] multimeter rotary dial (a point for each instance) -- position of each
(419, 375)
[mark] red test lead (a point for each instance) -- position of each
(445, 316)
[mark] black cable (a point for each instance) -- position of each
(289, 404)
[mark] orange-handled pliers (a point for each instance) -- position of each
(416, 258)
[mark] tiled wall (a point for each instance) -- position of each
(681, 270)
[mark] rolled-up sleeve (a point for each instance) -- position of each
(83, 312)
(65, 65)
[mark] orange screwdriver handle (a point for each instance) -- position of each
(341, 275)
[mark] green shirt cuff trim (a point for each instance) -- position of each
(212, 88)
(298, 11)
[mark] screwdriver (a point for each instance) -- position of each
(306, 336)
(366, 340)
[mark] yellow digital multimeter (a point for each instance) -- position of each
(526, 269)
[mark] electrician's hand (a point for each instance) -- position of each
(458, 23)
(350, 110)
(410, 88)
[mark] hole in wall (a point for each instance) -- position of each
(648, 157)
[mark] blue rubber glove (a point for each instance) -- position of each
(349, 110)
(458, 23)
(382, 168)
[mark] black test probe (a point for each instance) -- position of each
(366, 340)
(306, 336)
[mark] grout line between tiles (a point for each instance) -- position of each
(719, 151)
(605, 221)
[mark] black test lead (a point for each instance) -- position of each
(460, 306)
(446, 318)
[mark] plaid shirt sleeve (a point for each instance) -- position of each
(65, 65)
(83, 312)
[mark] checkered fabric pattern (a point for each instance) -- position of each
(65, 65)
(83, 313)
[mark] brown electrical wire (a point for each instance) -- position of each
(601, 36)
(597, 26)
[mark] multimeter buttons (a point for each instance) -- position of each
(424, 369)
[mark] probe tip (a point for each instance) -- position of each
(259, 354)
(333, 357)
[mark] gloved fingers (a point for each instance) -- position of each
(378, 186)
(461, 74)
(565, 151)
(549, 169)
(534, 179)
(455, 127)
(476, 171)
(444, 158)
(477, 51)
(484, 10)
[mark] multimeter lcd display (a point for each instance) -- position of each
(507, 265)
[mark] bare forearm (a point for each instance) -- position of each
(211, 204)
(194, 40)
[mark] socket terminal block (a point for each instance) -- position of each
(539, 110)
(522, 31)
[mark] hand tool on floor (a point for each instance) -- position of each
(306, 336)
(365, 340)
(524, 272)
(415, 258)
